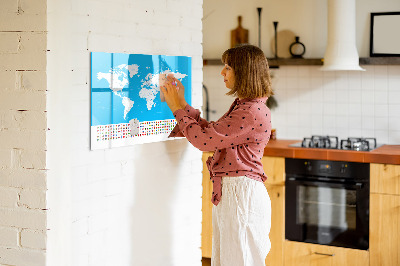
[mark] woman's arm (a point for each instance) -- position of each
(182, 104)
(235, 129)
(193, 113)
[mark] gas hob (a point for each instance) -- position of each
(332, 142)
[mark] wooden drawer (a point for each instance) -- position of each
(304, 254)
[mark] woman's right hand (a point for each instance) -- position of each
(181, 90)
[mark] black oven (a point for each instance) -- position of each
(327, 202)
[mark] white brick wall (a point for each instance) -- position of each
(9, 237)
(23, 126)
(112, 207)
(138, 205)
(24, 256)
(8, 197)
(33, 239)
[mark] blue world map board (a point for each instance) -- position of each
(127, 106)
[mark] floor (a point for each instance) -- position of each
(206, 261)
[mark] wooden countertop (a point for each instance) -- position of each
(389, 154)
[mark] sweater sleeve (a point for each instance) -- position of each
(193, 113)
(229, 131)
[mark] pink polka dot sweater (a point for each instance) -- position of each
(238, 139)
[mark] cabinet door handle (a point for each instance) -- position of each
(324, 254)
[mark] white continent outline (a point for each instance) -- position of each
(150, 86)
(117, 79)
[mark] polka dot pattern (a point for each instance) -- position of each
(238, 139)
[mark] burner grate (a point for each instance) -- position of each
(327, 142)
(332, 142)
(358, 144)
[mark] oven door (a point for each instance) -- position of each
(327, 213)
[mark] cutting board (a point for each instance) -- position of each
(239, 35)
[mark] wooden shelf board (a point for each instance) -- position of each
(380, 61)
(295, 61)
(275, 62)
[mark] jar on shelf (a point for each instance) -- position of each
(297, 49)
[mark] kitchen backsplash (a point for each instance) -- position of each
(314, 102)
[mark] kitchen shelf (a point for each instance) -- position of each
(274, 63)
(380, 61)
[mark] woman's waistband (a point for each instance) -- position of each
(235, 179)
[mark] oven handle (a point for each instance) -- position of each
(357, 185)
(324, 254)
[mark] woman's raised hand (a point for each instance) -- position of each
(173, 94)
(181, 89)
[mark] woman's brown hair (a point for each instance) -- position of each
(250, 66)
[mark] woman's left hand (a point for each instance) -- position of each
(171, 95)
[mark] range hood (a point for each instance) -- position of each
(341, 51)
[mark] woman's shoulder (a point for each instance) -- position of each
(259, 109)
(257, 104)
(255, 109)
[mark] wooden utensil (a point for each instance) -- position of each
(239, 35)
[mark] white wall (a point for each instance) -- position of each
(311, 102)
(23, 133)
(306, 19)
(343, 104)
(138, 205)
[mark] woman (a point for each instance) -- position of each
(242, 211)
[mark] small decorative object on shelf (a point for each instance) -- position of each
(239, 35)
(297, 49)
(259, 9)
(273, 134)
(276, 38)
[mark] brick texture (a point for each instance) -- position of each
(142, 189)
(23, 126)
(44, 123)
(9, 237)
(33, 239)
(8, 197)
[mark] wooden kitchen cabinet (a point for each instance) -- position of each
(274, 168)
(277, 233)
(385, 215)
(305, 254)
(384, 236)
(206, 225)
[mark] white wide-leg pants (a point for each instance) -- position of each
(241, 223)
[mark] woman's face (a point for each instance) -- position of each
(229, 76)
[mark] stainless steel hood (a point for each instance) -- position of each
(341, 51)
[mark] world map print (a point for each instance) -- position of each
(126, 102)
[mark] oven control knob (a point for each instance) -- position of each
(343, 168)
(308, 166)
